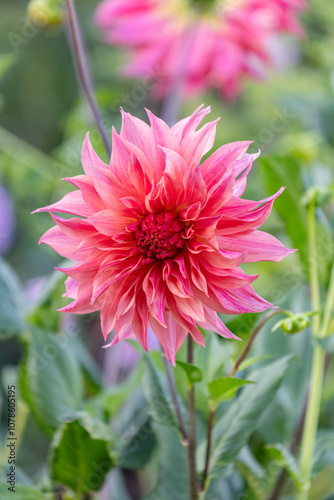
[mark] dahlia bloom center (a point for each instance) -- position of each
(161, 235)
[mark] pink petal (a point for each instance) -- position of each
(71, 203)
(260, 246)
(60, 243)
(221, 160)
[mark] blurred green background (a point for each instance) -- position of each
(43, 120)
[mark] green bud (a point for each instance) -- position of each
(45, 13)
(303, 146)
(319, 195)
(294, 323)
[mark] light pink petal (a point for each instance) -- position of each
(170, 337)
(212, 322)
(199, 143)
(109, 223)
(242, 168)
(260, 246)
(74, 228)
(140, 320)
(186, 127)
(71, 203)
(163, 135)
(60, 243)
(214, 167)
(89, 193)
(89, 159)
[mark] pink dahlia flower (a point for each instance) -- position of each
(158, 238)
(198, 43)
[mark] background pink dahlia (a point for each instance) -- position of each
(200, 43)
(158, 238)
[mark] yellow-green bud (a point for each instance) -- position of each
(45, 13)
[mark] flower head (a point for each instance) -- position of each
(198, 43)
(158, 238)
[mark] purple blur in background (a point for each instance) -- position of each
(7, 220)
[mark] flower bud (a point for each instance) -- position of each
(45, 13)
(320, 195)
(294, 323)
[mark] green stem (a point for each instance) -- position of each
(192, 429)
(311, 421)
(329, 306)
(318, 363)
(313, 268)
(257, 330)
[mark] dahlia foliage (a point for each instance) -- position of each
(158, 238)
(198, 43)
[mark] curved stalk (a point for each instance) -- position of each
(85, 77)
(212, 411)
(192, 428)
(318, 363)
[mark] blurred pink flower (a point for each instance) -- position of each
(159, 238)
(199, 43)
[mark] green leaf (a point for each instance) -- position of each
(285, 459)
(11, 301)
(278, 172)
(80, 457)
(193, 373)
(50, 379)
(139, 447)
(136, 439)
(172, 476)
(6, 62)
(110, 399)
(327, 343)
(157, 395)
(225, 388)
(324, 451)
(233, 430)
(251, 361)
(23, 493)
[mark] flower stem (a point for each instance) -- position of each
(212, 410)
(208, 448)
(84, 73)
(192, 428)
(257, 330)
(171, 386)
(318, 363)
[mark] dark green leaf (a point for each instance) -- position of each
(50, 379)
(286, 460)
(172, 480)
(156, 394)
(138, 448)
(135, 436)
(80, 457)
(233, 430)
